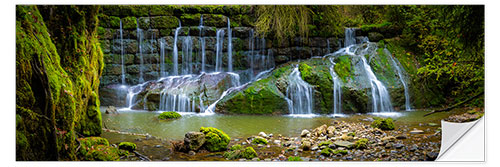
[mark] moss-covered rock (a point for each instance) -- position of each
(343, 152)
(361, 144)
(317, 74)
(238, 152)
(249, 153)
(326, 151)
(259, 140)
(216, 140)
(129, 146)
(164, 22)
(169, 115)
(294, 158)
(97, 149)
(58, 65)
(129, 23)
(383, 123)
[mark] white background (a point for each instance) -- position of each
(7, 92)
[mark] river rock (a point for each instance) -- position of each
(388, 139)
(401, 137)
(194, 140)
(111, 110)
(314, 148)
(331, 130)
(262, 134)
(304, 133)
(277, 142)
(305, 145)
(398, 145)
(431, 156)
(416, 131)
(341, 143)
(319, 131)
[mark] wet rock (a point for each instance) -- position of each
(398, 146)
(277, 142)
(314, 148)
(401, 137)
(331, 130)
(341, 143)
(242, 159)
(268, 159)
(111, 110)
(262, 134)
(287, 144)
(255, 159)
(431, 156)
(194, 140)
(413, 148)
(305, 145)
(416, 131)
(304, 133)
(388, 139)
(320, 131)
(432, 124)
(192, 153)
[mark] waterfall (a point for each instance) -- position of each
(132, 92)
(229, 47)
(202, 44)
(299, 94)
(380, 97)
(251, 44)
(175, 58)
(350, 37)
(187, 55)
(400, 71)
(140, 37)
(337, 90)
(220, 46)
(327, 45)
(162, 59)
(122, 52)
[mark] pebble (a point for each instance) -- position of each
(398, 145)
(416, 131)
(158, 146)
(401, 137)
(267, 159)
(256, 159)
(277, 142)
(244, 143)
(304, 133)
(242, 159)
(192, 153)
(314, 148)
(262, 134)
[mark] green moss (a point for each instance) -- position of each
(129, 22)
(317, 74)
(343, 152)
(372, 27)
(294, 158)
(236, 147)
(216, 140)
(169, 115)
(127, 146)
(109, 21)
(102, 153)
(353, 134)
(249, 153)
(325, 143)
(161, 10)
(259, 140)
(384, 124)
(326, 151)
(361, 144)
(343, 68)
(164, 22)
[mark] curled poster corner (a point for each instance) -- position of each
(462, 141)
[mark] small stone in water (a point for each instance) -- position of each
(262, 134)
(398, 145)
(192, 153)
(304, 133)
(416, 131)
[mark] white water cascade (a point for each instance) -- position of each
(300, 94)
(202, 45)
(140, 37)
(122, 52)
(350, 37)
(337, 90)
(402, 78)
(187, 55)
(218, 53)
(162, 58)
(229, 47)
(175, 57)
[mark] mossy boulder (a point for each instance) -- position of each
(238, 152)
(97, 149)
(129, 146)
(216, 140)
(343, 152)
(383, 123)
(294, 158)
(361, 144)
(318, 75)
(259, 140)
(326, 151)
(169, 115)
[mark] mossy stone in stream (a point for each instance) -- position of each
(343, 152)
(294, 158)
(249, 153)
(361, 144)
(98, 149)
(384, 124)
(216, 140)
(238, 152)
(259, 140)
(127, 146)
(326, 151)
(169, 115)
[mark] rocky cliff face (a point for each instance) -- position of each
(58, 65)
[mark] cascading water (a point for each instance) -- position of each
(229, 47)
(187, 55)
(140, 36)
(328, 46)
(337, 90)
(122, 52)
(202, 44)
(350, 37)
(162, 58)
(381, 101)
(219, 45)
(402, 78)
(250, 55)
(299, 94)
(175, 57)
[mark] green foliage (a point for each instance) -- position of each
(282, 21)
(361, 144)
(127, 146)
(169, 115)
(259, 140)
(294, 158)
(384, 124)
(216, 140)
